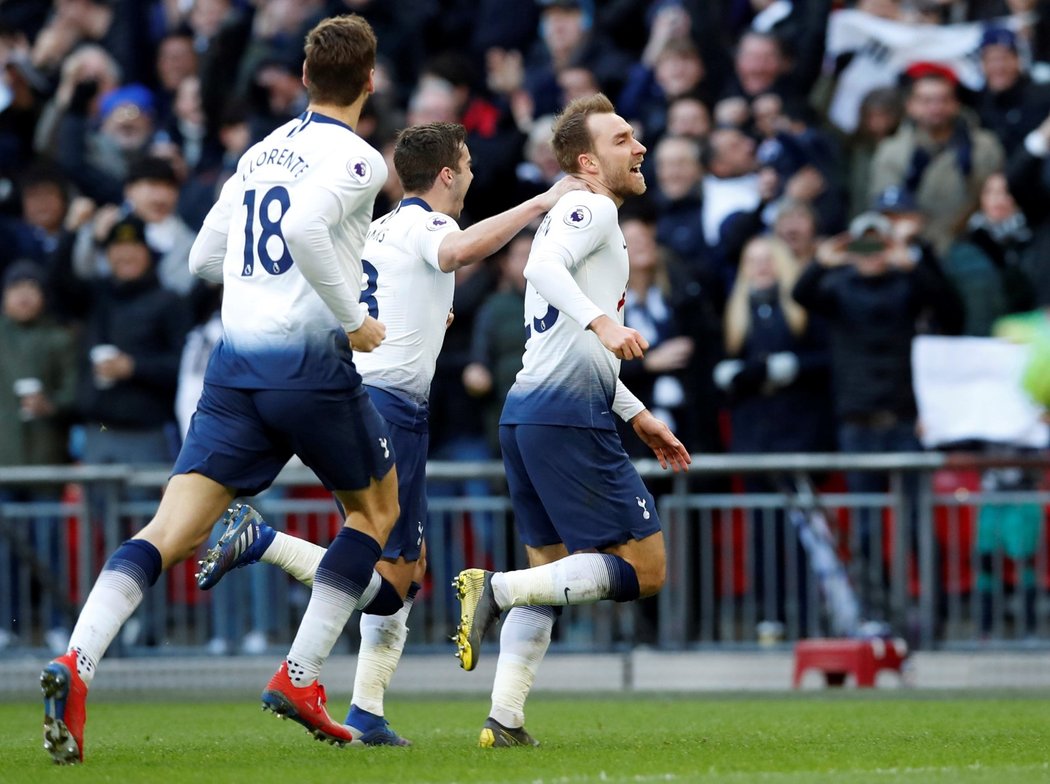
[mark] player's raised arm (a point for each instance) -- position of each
(484, 238)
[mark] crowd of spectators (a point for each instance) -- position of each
(805, 219)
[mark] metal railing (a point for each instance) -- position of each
(934, 557)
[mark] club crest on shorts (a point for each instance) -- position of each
(578, 217)
(359, 169)
(437, 222)
(642, 503)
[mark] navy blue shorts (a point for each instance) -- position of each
(574, 485)
(241, 438)
(410, 437)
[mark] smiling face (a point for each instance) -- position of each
(616, 155)
(1002, 67)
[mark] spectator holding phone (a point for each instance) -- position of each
(873, 291)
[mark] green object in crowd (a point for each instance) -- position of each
(1032, 328)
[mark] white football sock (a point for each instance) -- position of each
(523, 641)
(296, 556)
(300, 559)
(333, 600)
(113, 599)
(382, 641)
(582, 578)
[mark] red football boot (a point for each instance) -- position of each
(65, 710)
(305, 705)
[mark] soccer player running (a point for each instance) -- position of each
(588, 522)
(409, 259)
(285, 237)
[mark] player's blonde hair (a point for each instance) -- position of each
(571, 136)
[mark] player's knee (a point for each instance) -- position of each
(387, 600)
(386, 513)
(420, 568)
(174, 543)
(651, 579)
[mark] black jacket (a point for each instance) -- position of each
(872, 321)
(141, 319)
(793, 418)
(1012, 113)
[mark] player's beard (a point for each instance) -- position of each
(630, 184)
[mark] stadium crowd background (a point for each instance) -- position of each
(799, 230)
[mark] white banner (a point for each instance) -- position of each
(970, 388)
(883, 49)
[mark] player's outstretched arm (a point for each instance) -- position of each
(624, 342)
(665, 445)
(460, 248)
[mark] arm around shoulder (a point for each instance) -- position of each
(477, 242)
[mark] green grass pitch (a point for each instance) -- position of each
(843, 737)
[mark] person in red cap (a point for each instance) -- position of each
(937, 155)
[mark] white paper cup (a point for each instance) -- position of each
(100, 354)
(28, 386)
(24, 387)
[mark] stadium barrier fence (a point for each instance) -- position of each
(762, 550)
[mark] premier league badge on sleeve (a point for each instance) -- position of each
(359, 169)
(436, 223)
(578, 217)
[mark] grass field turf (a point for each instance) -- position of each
(841, 737)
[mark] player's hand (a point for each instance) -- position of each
(624, 342)
(368, 336)
(665, 445)
(550, 197)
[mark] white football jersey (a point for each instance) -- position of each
(568, 377)
(278, 333)
(407, 291)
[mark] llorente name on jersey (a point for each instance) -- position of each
(279, 156)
